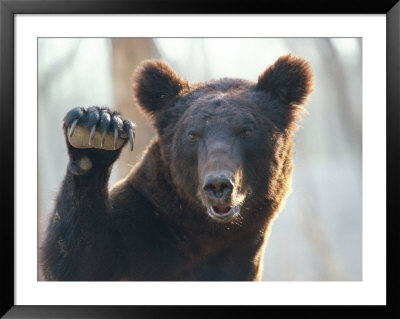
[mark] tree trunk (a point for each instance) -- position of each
(127, 54)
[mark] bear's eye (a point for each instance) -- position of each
(246, 132)
(192, 136)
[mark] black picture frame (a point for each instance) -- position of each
(8, 10)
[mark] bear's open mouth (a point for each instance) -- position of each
(223, 213)
(221, 210)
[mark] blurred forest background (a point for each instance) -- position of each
(318, 234)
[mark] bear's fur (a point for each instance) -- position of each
(200, 203)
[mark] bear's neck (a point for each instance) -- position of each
(151, 177)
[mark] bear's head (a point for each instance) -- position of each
(227, 142)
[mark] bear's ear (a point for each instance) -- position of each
(290, 79)
(155, 84)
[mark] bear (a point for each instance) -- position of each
(200, 203)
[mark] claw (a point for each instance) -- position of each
(117, 124)
(92, 131)
(116, 136)
(103, 138)
(129, 129)
(131, 138)
(73, 126)
(75, 113)
(104, 124)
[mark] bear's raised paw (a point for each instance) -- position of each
(98, 128)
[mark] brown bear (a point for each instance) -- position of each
(200, 203)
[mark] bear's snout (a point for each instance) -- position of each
(218, 188)
(217, 195)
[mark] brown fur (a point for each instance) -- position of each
(158, 223)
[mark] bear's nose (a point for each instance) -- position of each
(218, 188)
